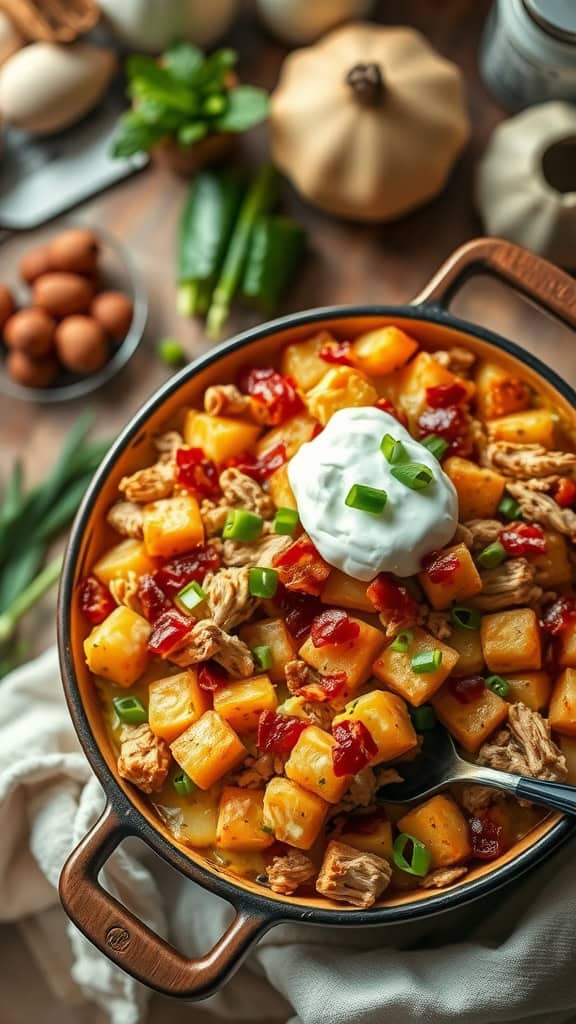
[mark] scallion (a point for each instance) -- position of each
(286, 521)
(403, 641)
(498, 685)
(465, 617)
(435, 444)
(423, 718)
(191, 596)
(263, 656)
(367, 499)
(262, 582)
(492, 555)
(392, 450)
(130, 710)
(171, 352)
(509, 508)
(414, 475)
(426, 661)
(242, 525)
(411, 855)
(183, 784)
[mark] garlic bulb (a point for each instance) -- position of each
(301, 21)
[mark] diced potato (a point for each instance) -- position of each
(220, 437)
(293, 433)
(553, 567)
(441, 826)
(172, 526)
(129, 556)
(395, 668)
(386, 717)
(479, 489)
(354, 658)
(567, 647)
(562, 711)
(467, 643)
(370, 833)
(499, 393)
(567, 745)
(241, 703)
(271, 633)
(240, 820)
(464, 582)
(470, 724)
(294, 706)
(117, 648)
(535, 426)
(383, 350)
(340, 388)
(310, 765)
(280, 490)
(207, 749)
(199, 818)
(423, 372)
(530, 688)
(294, 814)
(346, 592)
(174, 702)
(302, 362)
(511, 641)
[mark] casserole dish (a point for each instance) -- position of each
(124, 939)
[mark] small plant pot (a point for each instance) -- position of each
(187, 160)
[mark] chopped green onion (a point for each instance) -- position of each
(130, 710)
(509, 508)
(435, 444)
(285, 521)
(183, 784)
(171, 352)
(426, 661)
(492, 556)
(418, 853)
(191, 596)
(242, 525)
(263, 656)
(423, 718)
(498, 685)
(403, 641)
(262, 582)
(414, 475)
(367, 499)
(467, 618)
(393, 450)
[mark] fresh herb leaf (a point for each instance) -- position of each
(191, 133)
(184, 61)
(133, 135)
(247, 106)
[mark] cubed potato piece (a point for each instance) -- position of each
(464, 582)
(302, 362)
(310, 765)
(271, 633)
(470, 724)
(395, 668)
(562, 711)
(172, 526)
(567, 745)
(219, 436)
(567, 647)
(295, 815)
(499, 393)
(241, 703)
(294, 706)
(117, 648)
(553, 567)
(340, 388)
(530, 688)
(420, 373)
(511, 641)
(479, 489)
(534, 426)
(240, 820)
(345, 592)
(207, 749)
(383, 350)
(280, 490)
(354, 658)
(467, 643)
(174, 702)
(293, 433)
(441, 826)
(386, 717)
(129, 556)
(370, 833)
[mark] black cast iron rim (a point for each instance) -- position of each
(133, 821)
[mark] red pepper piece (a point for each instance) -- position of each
(333, 626)
(325, 689)
(440, 566)
(565, 494)
(392, 601)
(387, 406)
(196, 472)
(299, 610)
(559, 616)
(468, 689)
(210, 677)
(168, 632)
(337, 352)
(443, 395)
(301, 568)
(354, 748)
(523, 539)
(178, 572)
(277, 734)
(276, 393)
(96, 601)
(260, 467)
(487, 838)
(152, 598)
(449, 423)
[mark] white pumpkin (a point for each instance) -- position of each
(301, 21)
(151, 25)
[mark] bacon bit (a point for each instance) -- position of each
(444, 395)
(152, 598)
(316, 429)
(392, 600)
(276, 393)
(523, 539)
(559, 616)
(169, 630)
(299, 610)
(210, 677)
(96, 601)
(487, 838)
(177, 573)
(197, 472)
(387, 406)
(354, 748)
(565, 494)
(278, 734)
(301, 568)
(339, 353)
(259, 467)
(467, 690)
(333, 626)
(326, 688)
(449, 423)
(440, 566)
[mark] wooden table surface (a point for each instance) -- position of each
(348, 263)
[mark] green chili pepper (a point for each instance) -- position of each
(206, 224)
(276, 246)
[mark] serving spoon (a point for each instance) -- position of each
(439, 765)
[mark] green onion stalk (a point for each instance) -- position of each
(27, 598)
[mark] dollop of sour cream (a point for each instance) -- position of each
(361, 544)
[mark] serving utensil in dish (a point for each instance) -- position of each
(109, 925)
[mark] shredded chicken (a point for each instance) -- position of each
(286, 874)
(387, 776)
(351, 876)
(213, 516)
(127, 519)
(261, 552)
(462, 536)
(124, 590)
(241, 491)
(167, 445)
(229, 598)
(507, 585)
(437, 623)
(149, 484)
(360, 793)
(483, 532)
(298, 674)
(541, 508)
(475, 798)
(144, 758)
(318, 714)
(207, 640)
(441, 878)
(524, 461)
(256, 770)
(459, 360)
(226, 400)
(543, 484)
(525, 747)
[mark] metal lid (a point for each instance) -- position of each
(556, 17)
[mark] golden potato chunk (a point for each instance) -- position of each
(172, 526)
(241, 820)
(562, 713)
(341, 388)
(310, 765)
(207, 749)
(294, 814)
(535, 426)
(302, 362)
(371, 833)
(395, 668)
(498, 393)
(441, 826)
(241, 703)
(345, 592)
(129, 556)
(531, 688)
(174, 702)
(470, 724)
(220, 437)
(479, 489)
(117, 648)
(271, 633)
(354, 658)
(567, 647)
(511, 641)
(464, 582)
(383, 350)
(466, 642)
(386, 717)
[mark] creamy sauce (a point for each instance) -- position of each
(412, 524)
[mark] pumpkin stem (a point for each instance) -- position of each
(366, 83)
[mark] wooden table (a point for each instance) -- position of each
(348, 262)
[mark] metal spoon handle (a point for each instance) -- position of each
(557, 795)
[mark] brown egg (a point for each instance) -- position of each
(7, 306)
(75, 250)
(30, 331)
(31, 373)
(81, 344)
(62, 294)
(113, 311)
(34, 263)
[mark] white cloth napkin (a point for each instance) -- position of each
(506, 959)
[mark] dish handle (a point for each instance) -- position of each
(128, 942)
(532, 276)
